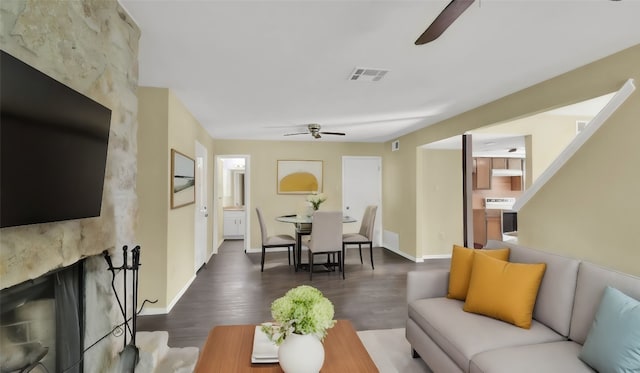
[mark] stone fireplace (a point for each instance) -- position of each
(42, 322)
(91, 46)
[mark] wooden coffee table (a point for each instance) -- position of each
(228, 349)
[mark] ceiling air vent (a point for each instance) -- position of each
(362, 74)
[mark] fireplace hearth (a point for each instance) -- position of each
(42, 323)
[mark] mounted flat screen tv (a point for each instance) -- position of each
(53, 148)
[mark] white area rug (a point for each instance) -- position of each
(391, 352)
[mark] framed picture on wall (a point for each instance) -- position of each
(183, 180)
(299, 177)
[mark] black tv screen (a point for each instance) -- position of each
(53, 148)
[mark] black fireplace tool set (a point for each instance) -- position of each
(130, 355)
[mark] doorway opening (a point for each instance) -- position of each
(506, 159)
(232, 198)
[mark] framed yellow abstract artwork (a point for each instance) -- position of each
(299, 177)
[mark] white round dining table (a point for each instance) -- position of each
(303, 225)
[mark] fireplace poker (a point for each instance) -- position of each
(112, 269)
(135, 265)
(125, 261)
(130, 355)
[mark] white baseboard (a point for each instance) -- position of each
(437, 256)
(165, 310)
(391, 242)
(403, 254)
(147, 311)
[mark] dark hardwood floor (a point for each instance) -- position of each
(230, 289)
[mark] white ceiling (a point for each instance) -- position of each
(260, 69)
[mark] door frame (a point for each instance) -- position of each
(467, 189)
(217, 199)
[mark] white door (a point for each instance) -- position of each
(202, 213)
(362, 186)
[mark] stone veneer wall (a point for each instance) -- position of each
(91, 46)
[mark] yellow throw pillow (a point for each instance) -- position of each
(502, 290)
(460, 272)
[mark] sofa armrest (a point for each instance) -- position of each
(432, 283)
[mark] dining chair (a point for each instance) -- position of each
(325, 238)
(280, 240)
(365, 235)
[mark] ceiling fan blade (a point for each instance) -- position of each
(333, 133)
(297, 133)
(450, 13)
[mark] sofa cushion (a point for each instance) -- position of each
(613, 343)
(592, 280)
(555, 297)
(461, 335)
(461, 263)
(537, 358)
(502, 290)
(429, 351)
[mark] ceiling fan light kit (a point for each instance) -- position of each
(314, 130)
(448, 15)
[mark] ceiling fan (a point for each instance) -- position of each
(449, 14)
(314, 130)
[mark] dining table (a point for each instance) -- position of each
(303, 225)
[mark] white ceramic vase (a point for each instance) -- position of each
(301, 353)
(310, 209)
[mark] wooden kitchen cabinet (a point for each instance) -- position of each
(514, 163)
(516, 183)
(487, 225)
(494, 225)
(499, 163)
(506, 163)
(479, 227)
(482, 174)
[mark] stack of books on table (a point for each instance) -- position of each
(264, 350)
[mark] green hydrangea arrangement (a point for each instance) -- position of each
(302, 310)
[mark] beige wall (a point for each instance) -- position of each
(263, 156)
(596, 229)
(548, 139)
(166, 124)
(399, 180)
(184, 131)
(440, 206)
(153, 189)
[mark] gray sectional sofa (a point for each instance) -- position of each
(450, 340)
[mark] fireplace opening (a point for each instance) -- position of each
(42, 323)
